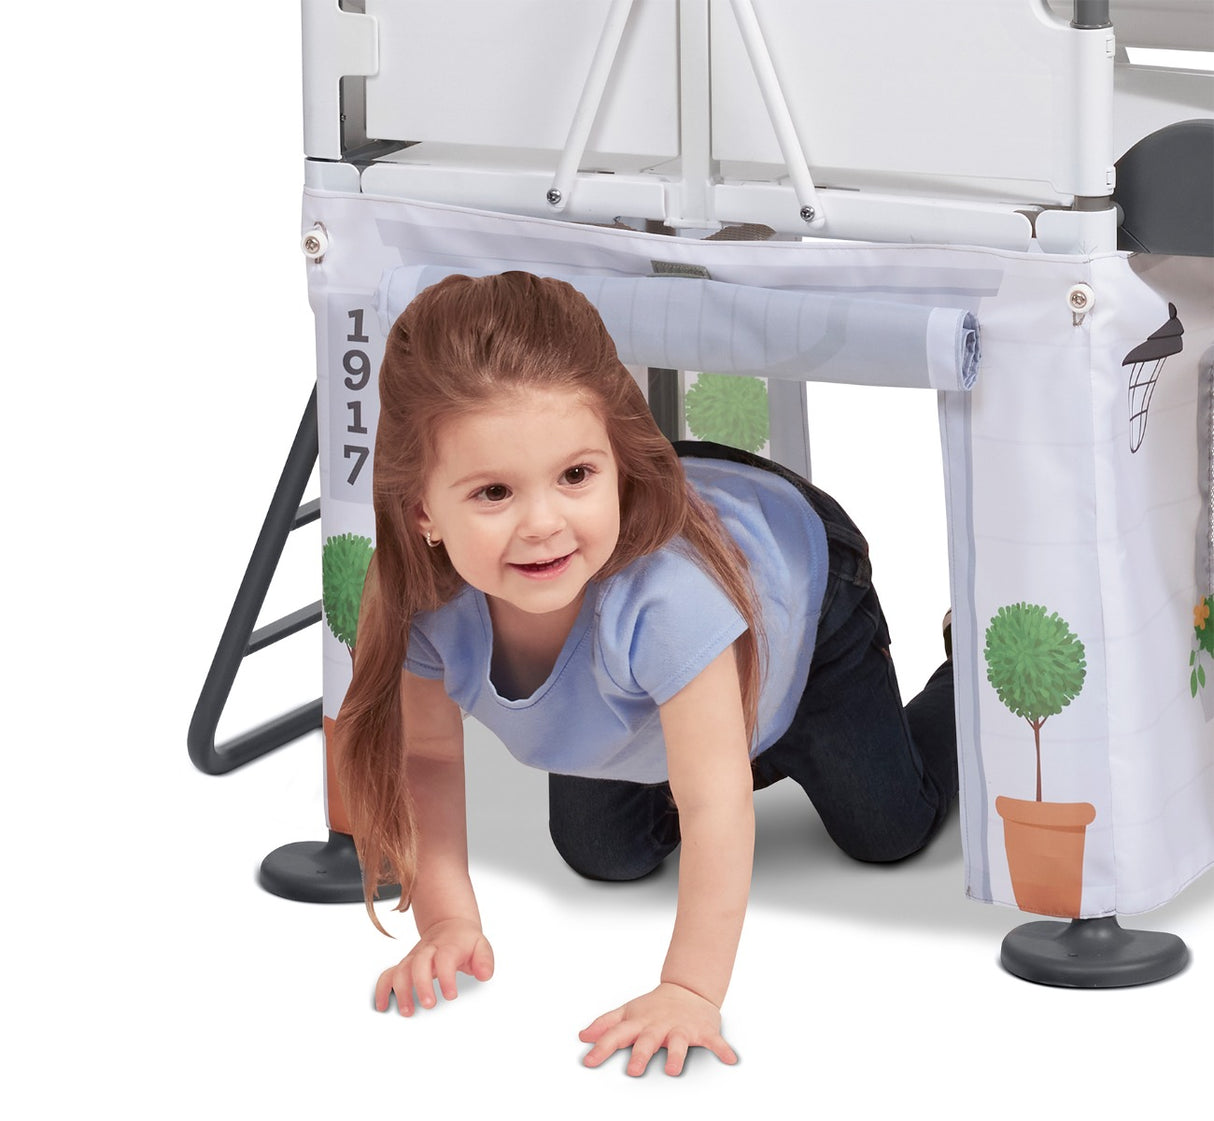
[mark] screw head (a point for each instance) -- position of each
(808, 213)
(1080, 297)
(553, 196)
(314, 243)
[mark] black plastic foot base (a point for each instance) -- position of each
(318, 872)
(1091, 954)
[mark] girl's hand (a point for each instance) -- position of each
(447, 947)
(671, 1016)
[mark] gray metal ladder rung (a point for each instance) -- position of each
(308, 512)
(281, 628)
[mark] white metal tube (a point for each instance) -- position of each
(588, 103)
(777, 110)
(695, 119)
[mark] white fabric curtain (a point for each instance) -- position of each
(1078, 487)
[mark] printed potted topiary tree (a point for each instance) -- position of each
(728, 409)
(1037, 667)
(343, 563)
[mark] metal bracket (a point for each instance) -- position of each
(588, 105)
(777, 111)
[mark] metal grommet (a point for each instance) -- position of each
(1080, 299)
(315, 243)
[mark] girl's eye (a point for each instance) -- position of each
(575, 476)
(494, 492)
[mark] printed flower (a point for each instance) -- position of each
(1204, 633)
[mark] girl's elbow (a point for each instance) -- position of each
(731, 808)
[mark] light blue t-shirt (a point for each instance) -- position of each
(643, 634)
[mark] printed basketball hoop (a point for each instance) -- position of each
(1145, 362)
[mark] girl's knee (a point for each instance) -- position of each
(889, 845)
(884, 851)
(596, 858)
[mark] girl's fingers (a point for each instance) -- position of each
(449, 962)
(482, 960)
(607, 1020)
(394, 979)
(676, 1053)
(597, 1054)
(611, 1041)
(383, 991)
(645, 1047)
(717, 1045)
(423, 977)
(427, 963)
(609, 1034)
(446, 962)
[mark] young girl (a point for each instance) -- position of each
(663, 632)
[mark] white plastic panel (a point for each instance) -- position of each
(509, 74)
(512, 181)
(921, 120)
(1148, 99)
(336, 44)
(1001, 97)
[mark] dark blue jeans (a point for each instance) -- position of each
(881, 776)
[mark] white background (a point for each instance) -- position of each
(158, 355)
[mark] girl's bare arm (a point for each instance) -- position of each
(450, 939)
(711, 782)
(435, 768)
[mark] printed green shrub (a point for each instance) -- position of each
(728, 410)
(1035, 663)
(344, 562)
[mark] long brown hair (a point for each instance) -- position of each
(459, 347)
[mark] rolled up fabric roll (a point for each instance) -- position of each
(690, 323)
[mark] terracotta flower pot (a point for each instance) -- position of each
(1044, 842)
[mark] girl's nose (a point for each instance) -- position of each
(541, 519)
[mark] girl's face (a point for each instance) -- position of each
(525, 498)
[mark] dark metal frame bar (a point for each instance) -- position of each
(239, 638)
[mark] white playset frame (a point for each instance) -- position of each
(956, 160)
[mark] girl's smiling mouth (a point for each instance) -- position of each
(543, 570)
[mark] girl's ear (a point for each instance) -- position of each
(421, 519)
